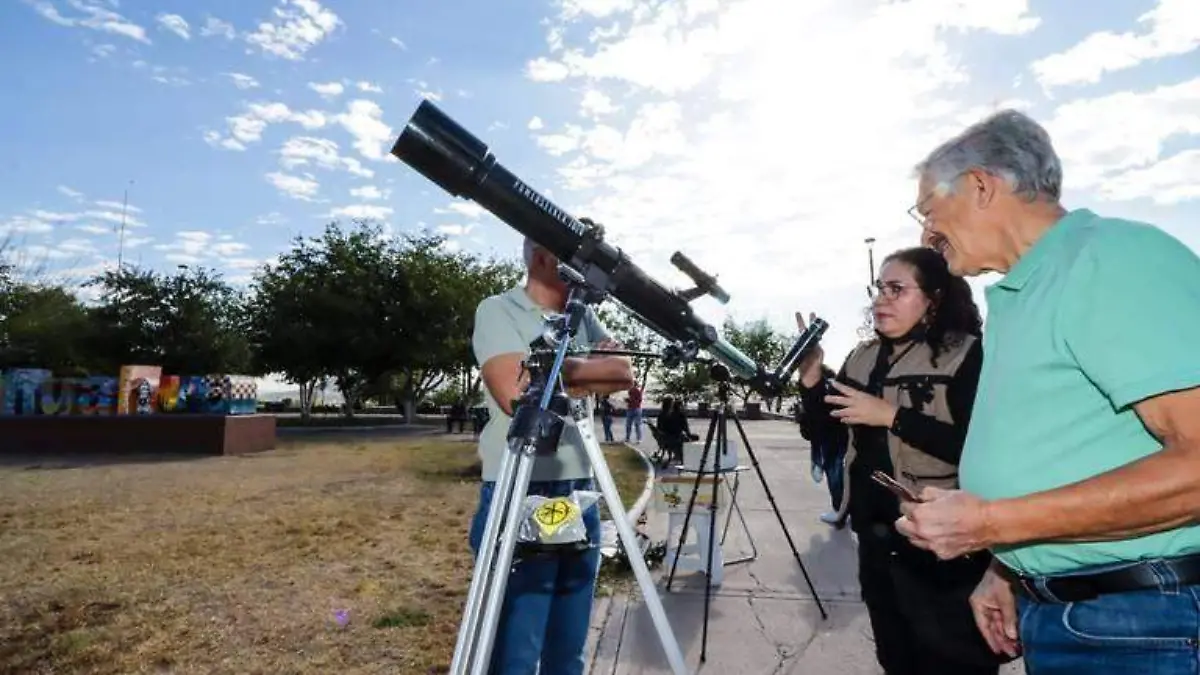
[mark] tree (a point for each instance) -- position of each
(190, 322)
(634, 335)
(757, 340)
(43, 327)
(689, 383)
(446, 286)
(334, 306)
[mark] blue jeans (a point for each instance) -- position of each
(607, 420)
(830, 458)
(633, 420)
(547, 602)
(1150, 632)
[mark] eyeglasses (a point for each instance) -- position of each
(888, 290)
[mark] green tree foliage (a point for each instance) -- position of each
(634, 335)
(191, 322)
(383, 318)
(759, 341)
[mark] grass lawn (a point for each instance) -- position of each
(344, 556)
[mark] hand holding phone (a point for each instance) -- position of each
(896, 488)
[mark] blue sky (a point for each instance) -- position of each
(765, 138)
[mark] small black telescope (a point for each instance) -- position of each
(442, 151)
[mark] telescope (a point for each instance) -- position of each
(444, 152)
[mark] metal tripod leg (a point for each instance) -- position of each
(745, 528)
(481, 578)
(782, 525)
(485, 598)
(637, 561)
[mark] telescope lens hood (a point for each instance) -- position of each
(438, 148)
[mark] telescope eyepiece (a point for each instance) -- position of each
(442, 151)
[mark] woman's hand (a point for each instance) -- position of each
(810, 366)
(859, 407)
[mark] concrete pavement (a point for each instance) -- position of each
(763, 618)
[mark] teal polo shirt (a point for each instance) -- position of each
(1098, 315)
(508, 323)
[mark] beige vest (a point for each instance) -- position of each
(912, 382)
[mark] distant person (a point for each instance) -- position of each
(606, 417)
(828, 452)
(633, 413)
(543, 626)
(673, 426)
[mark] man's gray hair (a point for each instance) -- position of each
(1008, 144)
(529, 247)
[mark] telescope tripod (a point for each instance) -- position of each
(537, 423)
(719, 426)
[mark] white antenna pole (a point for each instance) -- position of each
(121, 243)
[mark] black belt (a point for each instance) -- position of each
(1140, 576)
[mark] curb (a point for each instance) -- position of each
(410, 429)
(639, 506)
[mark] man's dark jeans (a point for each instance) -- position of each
(1150, 632)
(548, 602)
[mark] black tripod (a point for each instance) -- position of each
(718, 426)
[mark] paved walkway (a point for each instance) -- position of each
(763, 618)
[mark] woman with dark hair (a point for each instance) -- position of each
(902, 403)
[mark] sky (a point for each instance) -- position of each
(765, 139)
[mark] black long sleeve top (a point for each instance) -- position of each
(871, 503)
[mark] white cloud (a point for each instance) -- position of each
(363, 120)
(1170, 29)
(399, 43)
(175, 24)
(322, 152)
(214, 27)
(729, 147)
(369, 87)
(95, 15)
(362, 212)
(197, 247)
(370, 192)
(468, 209)
(299, 26)
(327, 90)
(73, 194)
(242, 81)
(303, 187)
(536, 123)
(597, 104)
(1101, 138)
(117, 206)
(249, 126)
(272, 218)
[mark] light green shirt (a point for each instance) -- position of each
(508, 323)
(1099, 314)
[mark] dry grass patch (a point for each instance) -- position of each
(345, 556)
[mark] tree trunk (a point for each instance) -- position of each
(308, 390)
(408, 395)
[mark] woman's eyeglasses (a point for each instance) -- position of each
(889, 290)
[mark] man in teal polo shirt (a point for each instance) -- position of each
(548, 602)
(1081, 469)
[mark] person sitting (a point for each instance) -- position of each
(672, 423)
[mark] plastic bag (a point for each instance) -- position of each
(555, 520)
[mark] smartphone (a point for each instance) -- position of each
(896, 488)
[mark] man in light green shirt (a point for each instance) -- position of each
(1081, 469)
(548, 601)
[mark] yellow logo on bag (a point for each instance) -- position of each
(553, 514)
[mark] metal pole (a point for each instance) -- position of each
(121, 243)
